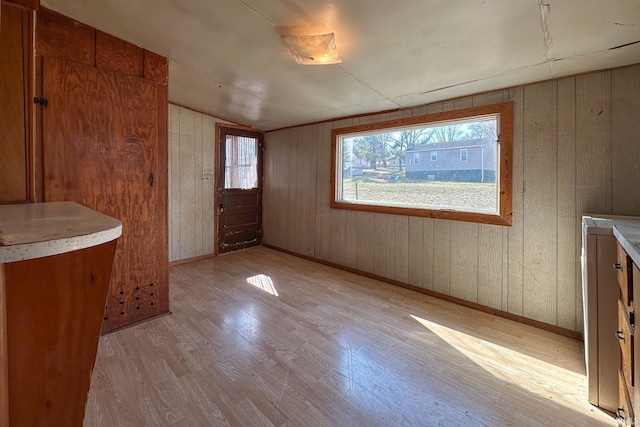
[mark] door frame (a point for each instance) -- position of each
(216, 197)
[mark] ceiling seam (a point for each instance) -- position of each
(547, 40)
(368, 86)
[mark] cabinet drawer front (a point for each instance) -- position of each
(625, 407)
(623, 266)
(625, 338)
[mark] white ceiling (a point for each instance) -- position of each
(227, 58)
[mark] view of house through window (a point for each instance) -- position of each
(445, 165)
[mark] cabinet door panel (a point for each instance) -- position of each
(623, 267)
(14, 35)
(100, 150)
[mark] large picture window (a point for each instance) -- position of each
(468, 177)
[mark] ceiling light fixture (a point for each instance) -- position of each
(316, 49)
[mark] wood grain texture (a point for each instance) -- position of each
(332, 349)
(115, 54)
(54, 311)
(106, 166)
(162, 181)
(14, 108)
(58, 36)
(156, 67)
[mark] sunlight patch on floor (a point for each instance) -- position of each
(536, 376)
(264, 283)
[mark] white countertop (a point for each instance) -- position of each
(629, 238)
(603, 224)
(35, 230)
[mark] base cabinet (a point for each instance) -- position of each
(628, 279)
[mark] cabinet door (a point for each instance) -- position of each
(14, 72)
(100, 150)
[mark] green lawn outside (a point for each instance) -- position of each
(451, 195)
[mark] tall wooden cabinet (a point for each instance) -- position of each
(104, 145)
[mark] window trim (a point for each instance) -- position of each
(505, 149)
(466, 155)
(434, 156)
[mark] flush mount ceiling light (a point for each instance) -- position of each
(313, 50)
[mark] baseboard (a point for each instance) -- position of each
(188, 260)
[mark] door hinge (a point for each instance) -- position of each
(41, 101)
(263, 146)
(260, 233)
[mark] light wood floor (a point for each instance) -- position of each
(261, 338)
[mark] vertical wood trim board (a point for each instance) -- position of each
(574, 143)
(4, 365)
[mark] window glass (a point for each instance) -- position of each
(463, 155)
(377, 167)
(241, 166)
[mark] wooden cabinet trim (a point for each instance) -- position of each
(4, 367)
(624, 278)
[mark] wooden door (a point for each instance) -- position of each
(239, 189)
(14, 110)
(100, 150)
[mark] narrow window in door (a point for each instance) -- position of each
(241, 165)
(239, 188)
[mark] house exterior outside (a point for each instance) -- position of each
(470, 160)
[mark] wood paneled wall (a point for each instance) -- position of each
(576, 150)
(191, 198)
